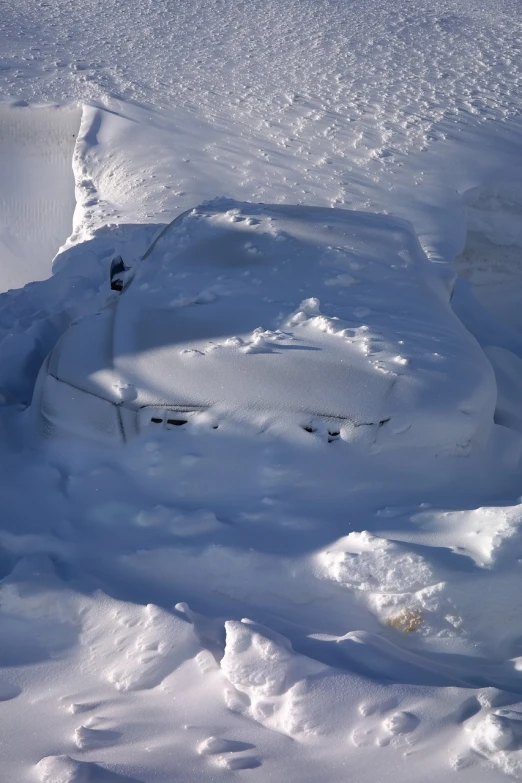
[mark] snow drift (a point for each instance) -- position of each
(37, 198)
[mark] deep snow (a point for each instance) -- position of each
(248, 605)
(37, 190)
(222, 319)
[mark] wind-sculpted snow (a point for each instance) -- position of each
(303, 101)
(257, 596)
(391, 71)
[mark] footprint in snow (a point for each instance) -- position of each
(223, 753)
(397, 723)
(237, 762)
(389, 725)
(64, 769)
(380, 707)
(76, 707)
(88, 738)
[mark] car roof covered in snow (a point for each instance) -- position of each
(321, 311)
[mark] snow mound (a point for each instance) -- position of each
(485, 534)
(498, 732)
(236, 298)
(268, 678)
(150, 647)
(493, 735)
(63, 769)
(366, 562)
(307, 700)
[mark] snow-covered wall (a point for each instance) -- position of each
(36, 189)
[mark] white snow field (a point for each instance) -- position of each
(259, 602)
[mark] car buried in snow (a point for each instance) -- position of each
(333, 320)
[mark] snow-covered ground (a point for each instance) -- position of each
(245, 604)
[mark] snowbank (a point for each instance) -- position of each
(36, 190)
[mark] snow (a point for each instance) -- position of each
(37, 189)
(491, 256)
(215, 320)
(249, 601)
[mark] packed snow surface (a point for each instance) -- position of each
(252, 596)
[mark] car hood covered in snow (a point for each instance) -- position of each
(318, 311)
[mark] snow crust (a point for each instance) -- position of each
(254, 600)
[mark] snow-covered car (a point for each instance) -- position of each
(332, 319)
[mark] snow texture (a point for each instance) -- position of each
(259, 593)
